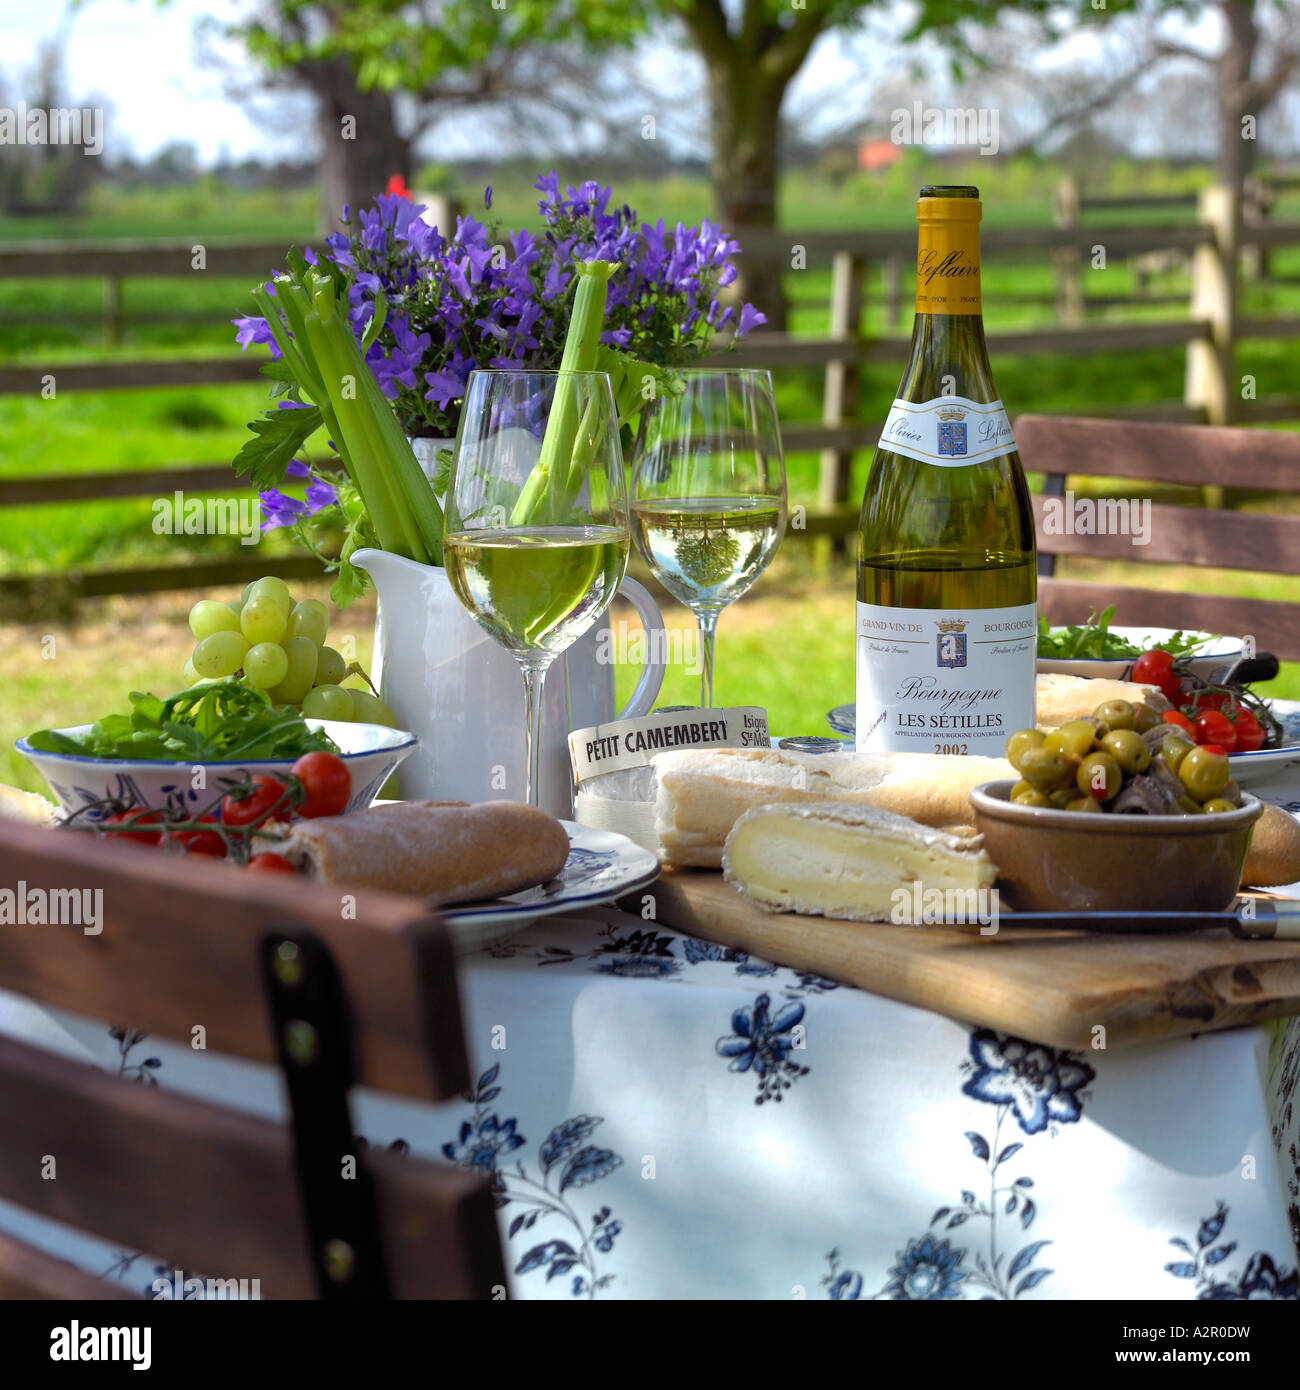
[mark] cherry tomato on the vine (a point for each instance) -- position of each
(269, 864)
(1213, 727)
(326, 784)
(1178, 719)
(201, 841)
(136, 818)
(1248, 729)
(254, 808)
(1156, 668)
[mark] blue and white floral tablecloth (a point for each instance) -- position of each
(665, 1118)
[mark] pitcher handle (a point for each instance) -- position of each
(652, 673)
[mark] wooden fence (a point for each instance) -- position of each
(1208, 335)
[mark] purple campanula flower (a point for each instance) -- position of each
(749, 318)
(279, 510)
(319, 496)
(487, 196)
(297, 469)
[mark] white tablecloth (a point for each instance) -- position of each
(664, 1118)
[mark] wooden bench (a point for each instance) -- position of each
(1190, 455)
(271, 971)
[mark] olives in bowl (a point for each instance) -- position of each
(1120, 759)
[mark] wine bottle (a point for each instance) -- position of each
(946, 617)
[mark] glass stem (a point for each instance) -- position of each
(534, 680)
(708, 627)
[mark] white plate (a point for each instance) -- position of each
(1216, 652)
(601, 865)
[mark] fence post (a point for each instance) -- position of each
(893, 290)
(839, 398)
(113, 310)
(1211, 380)
(1069, 262)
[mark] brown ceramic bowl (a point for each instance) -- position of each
(1052, 860)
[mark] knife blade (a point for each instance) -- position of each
(1253, 919)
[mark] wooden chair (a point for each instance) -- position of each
(274, 971)
(1195, 455)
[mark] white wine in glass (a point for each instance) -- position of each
(537, 528)
(708, 494)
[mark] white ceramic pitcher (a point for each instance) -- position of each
(449, 683)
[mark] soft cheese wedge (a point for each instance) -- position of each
(836, 860)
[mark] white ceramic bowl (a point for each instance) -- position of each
(1216, 652)
(371, 752)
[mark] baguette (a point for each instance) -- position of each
(26, 806)
(1274, 854)
(702, 793)
(446, 851)
(854, 863)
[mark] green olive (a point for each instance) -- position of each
(1203, 773)
(1060, 797)
(1029, 797)
(1099, 775)
(1019, 743)
(1187, 806)
(1232, 792)
(1083, 803)
(1218, 803)
(1128, 750)
(1145, 718)
(1116, 714)
(1044, 768)
(1174, 749)
(1073, 739)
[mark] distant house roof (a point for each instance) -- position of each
(878, 154)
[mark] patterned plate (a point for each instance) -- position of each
(601, 865)
(1246, 767)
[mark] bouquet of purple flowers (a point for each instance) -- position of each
(427, 309)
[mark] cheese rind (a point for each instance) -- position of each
(844, 861)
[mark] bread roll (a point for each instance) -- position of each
(26, 806)
(704, 792)
(855, 863)
(1274, 855)
(1060, 698)
(442, 850)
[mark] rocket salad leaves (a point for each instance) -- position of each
(1095, 639)
(215, 722)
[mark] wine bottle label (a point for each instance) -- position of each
(950, 431)
(935, 680)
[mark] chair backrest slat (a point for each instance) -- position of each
(178, 950)
(1195, 455)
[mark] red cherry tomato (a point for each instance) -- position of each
(326, 784)
(1214, 748)
(1178, 719)
(1212, 727)
(134, 818)
(254, 808)
(1156, 668)
(1209, 699)
(269, 864)
(201, 841)
(1249, 731)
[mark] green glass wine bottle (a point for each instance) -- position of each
(946, 619)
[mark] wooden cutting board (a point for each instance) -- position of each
(1050, 987)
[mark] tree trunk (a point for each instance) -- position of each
(361, 147)
(746, 130)
(1237, 90)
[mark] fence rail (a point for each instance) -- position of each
(1214, 244)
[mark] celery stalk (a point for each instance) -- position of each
(550, 487)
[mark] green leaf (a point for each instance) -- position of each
(278, 435)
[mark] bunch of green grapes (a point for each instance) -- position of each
(278, 645)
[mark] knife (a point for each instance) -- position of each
(1254, 919)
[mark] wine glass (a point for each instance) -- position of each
(708, 493)
(537, 528)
